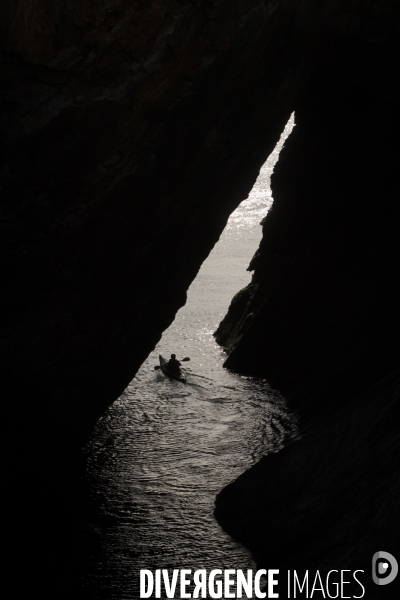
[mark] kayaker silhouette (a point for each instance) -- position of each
(173, 365)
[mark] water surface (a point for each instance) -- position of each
(164, 449)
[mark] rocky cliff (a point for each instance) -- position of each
(320, 320)
(330, 499)
(130, 131)
(320, 315)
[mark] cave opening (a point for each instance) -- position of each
(163, 450)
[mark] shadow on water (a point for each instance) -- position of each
(164, 449)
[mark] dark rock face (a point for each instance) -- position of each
(130, 131)
(320, 315)
(328, 500)
(320, 320)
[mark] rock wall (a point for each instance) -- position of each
(320, 317)
(328, 500)
(130, 132)
(320, 321)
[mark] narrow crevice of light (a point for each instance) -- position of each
(164, 449)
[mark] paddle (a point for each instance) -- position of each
(182, 360)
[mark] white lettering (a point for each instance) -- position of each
(272, 583)
(301, 587)
(215, 587)
(146, 577)
(158, 584)
(359, 582)
(200, 579)
(343, 582)
(184, 583)
(257, 591)
(222, 584)
(228, 583)
(334, 584)
(170, 587)
(317, 589)
(243, 584)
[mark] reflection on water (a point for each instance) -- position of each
(252, 210)
(163, 451)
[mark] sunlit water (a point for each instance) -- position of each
(162, 452)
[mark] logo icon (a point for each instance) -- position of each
(384, 568)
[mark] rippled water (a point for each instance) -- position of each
(162, 452)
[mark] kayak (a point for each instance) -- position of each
(179, 375)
